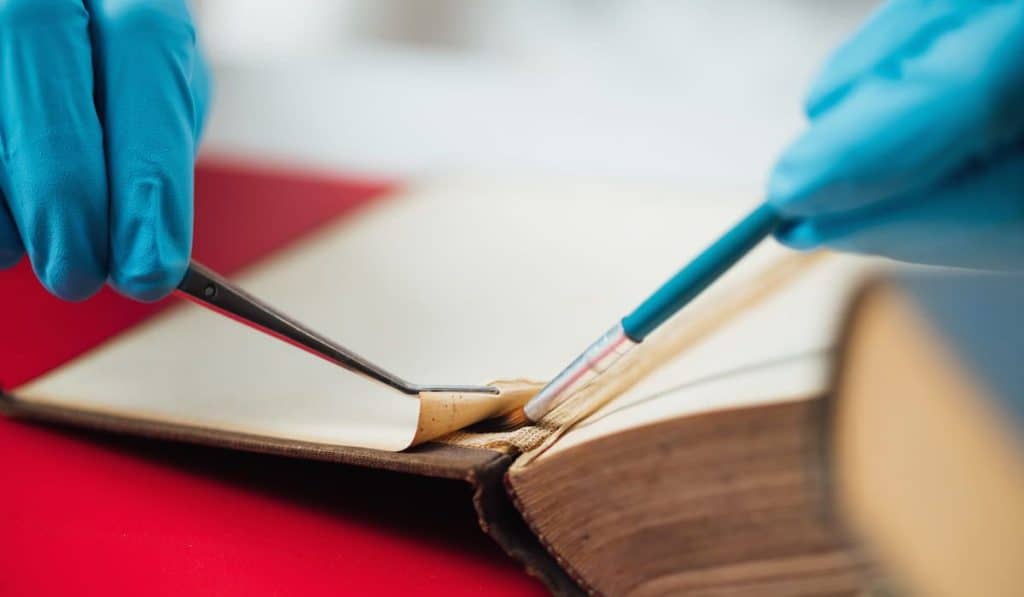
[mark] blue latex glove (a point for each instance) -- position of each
(101, 104)
(915, 148)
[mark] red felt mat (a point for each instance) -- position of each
(91, 514)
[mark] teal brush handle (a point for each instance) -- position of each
(701, 272)
(665, 302)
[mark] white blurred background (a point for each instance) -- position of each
(703, 93)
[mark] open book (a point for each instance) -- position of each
(682, 469)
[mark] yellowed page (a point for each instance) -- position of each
(447, 282)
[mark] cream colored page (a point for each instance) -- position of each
(445, 283)
(777, 350)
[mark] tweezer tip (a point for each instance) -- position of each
(459, 389)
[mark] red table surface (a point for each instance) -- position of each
(84, 513)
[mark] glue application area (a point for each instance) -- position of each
(515, 298)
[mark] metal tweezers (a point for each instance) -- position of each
(205, 287)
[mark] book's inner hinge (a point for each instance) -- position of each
(685, 330)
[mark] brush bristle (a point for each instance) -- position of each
(509, 421)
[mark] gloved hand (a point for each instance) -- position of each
(101, 104)
(915, 148)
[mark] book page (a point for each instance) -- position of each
(453, 282)
(779, 349)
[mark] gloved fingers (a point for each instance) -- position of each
(146, 60)
(51, 146)
(909, 126)
(898, 29)
(976, 221)
(10, 243)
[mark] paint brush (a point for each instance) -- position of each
(665, 302)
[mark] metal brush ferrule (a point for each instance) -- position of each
(596, 359)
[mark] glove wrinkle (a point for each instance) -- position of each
(152, 262)
(829, 91)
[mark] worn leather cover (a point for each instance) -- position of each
(483, 469)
